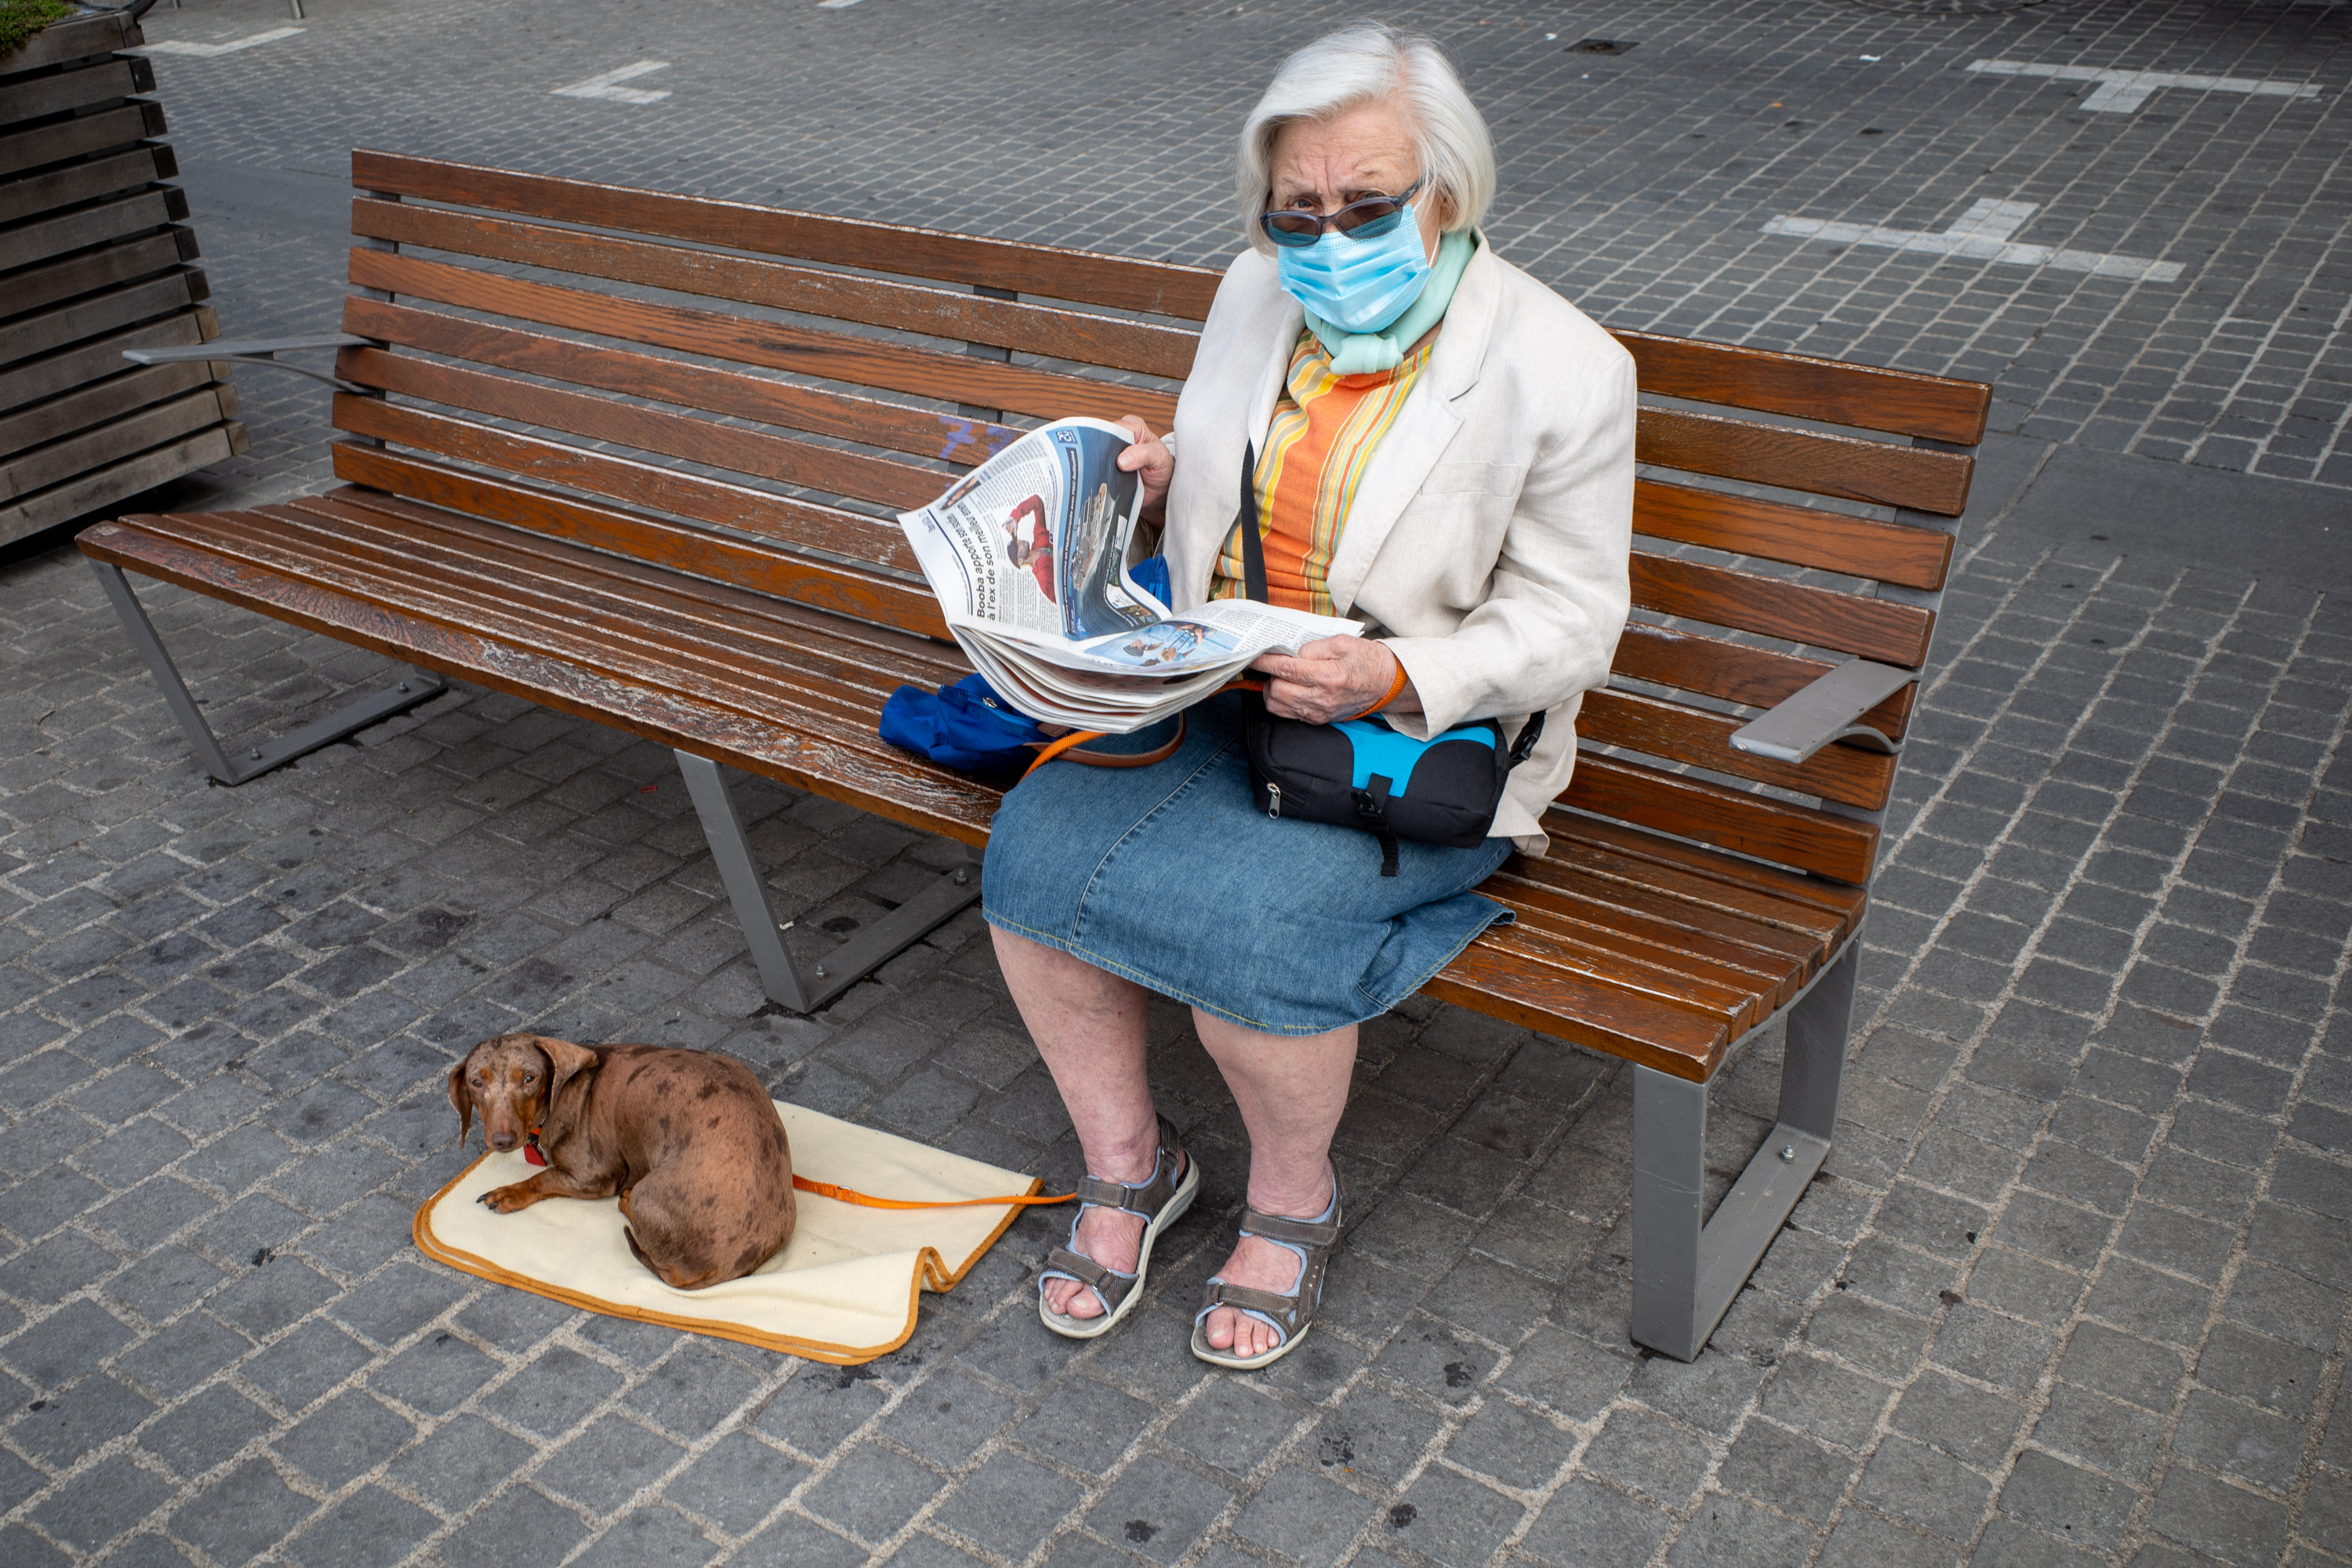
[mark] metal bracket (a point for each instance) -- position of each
(259, 352)
(1686, 1273)
(415, 686)
(1824, 710)
(846, 965)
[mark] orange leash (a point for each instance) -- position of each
(847, 1195)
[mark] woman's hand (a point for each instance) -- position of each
(1331, 679)
(1149, 459)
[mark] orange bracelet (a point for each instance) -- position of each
(1400, 678)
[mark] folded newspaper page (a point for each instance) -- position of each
(1028, 556)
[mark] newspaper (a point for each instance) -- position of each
(1028, 556)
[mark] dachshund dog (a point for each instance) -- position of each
(688, 1140)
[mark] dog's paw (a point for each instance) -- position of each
(506, 1200)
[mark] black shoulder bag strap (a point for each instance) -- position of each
(1253, 547)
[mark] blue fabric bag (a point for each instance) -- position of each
(967, 726)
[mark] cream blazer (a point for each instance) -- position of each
(1489, 538)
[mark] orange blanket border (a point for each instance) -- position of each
(932, 1273)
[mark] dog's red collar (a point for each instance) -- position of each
(531, 1149)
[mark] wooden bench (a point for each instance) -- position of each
(633, 456)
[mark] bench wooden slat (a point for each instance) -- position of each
(930, 800)
(1750, 912)
(908, 307)
(1634, 723)
(695, 550)
(828, 356)
(1813, 841)
(1736, 1005)
(863, 645)
(1736, 672)
(1867, 397)
(1810, 460)
(1840, 904)
(1816, 617)
(950, 438)
(1563, 916)
(525, 617)
(732, 647)
(798, 522)
(1652, 1031)
(703, 441)
(1800, 536)
(1155, 288)
(1686, 909)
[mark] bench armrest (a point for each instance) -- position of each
(256, 351)
(1802, 724)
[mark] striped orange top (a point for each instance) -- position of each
(1323, 434)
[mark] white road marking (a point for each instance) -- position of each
(207, 50)
(835, 4)
(606, 85)
(1982, 234)
(2122, 91)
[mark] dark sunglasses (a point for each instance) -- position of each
(1367, 219)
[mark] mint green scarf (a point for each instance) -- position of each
(1371, 353)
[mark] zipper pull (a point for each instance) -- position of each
(1273, 799)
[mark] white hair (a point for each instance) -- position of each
(1373, 63)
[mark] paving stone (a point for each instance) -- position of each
(1451, 1519)
(368, 1528)
(2223, 1521)
(871, 1492)
(1159, 1509)
(1589, 1526)
(1303, 1516)
(2076, 1505)
(517, 1523)
(1733, 1530)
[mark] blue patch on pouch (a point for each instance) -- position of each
(1380, 750)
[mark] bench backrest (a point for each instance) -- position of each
(746, 393)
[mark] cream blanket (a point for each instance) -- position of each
(842, 1290)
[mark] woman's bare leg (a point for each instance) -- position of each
(1290, 1089)
(1089, 1027)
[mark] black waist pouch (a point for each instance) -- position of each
(1361, 772)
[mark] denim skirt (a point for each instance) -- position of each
(1171, 876)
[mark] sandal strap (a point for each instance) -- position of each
(1148, 1197)
(1285, 1309)
(1109, 1284)
(1144, 1199)
(1298, 1232)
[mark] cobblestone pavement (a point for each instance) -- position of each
(2074, 1290)
(1642, 182)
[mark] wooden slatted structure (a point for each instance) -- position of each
(631, 455)
(93, 260)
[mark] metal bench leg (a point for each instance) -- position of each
(415, 686)
(1686, 1275)
(846, 965)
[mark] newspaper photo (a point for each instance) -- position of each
(1028, 556)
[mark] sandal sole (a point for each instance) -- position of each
(1071, 1328)
(1231, 1363)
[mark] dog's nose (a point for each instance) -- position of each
(502, 1141)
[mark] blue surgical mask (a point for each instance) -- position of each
(1356, 285)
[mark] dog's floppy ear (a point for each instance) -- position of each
(462, 1099)
(565, 1060)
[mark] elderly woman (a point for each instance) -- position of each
(1444, 451)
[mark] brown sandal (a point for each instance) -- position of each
(1290, 1313)
(1159, 1203)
